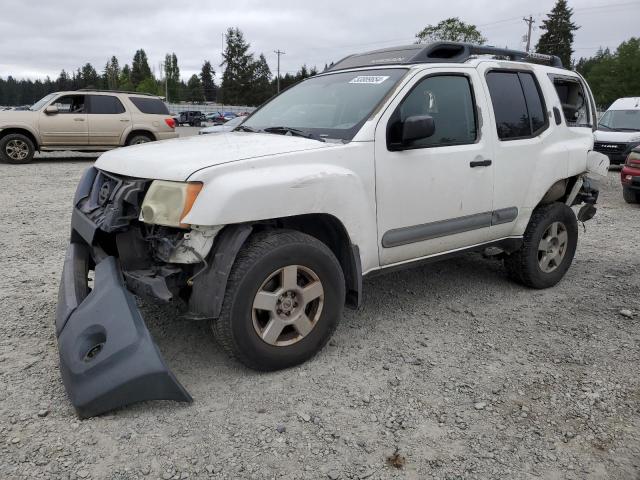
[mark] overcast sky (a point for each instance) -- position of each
(40, 37)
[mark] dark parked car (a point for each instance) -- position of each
(630, 177)
(193, 118)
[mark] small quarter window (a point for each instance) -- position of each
(517, 104)
(573, 99)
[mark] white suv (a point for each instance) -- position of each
(390, 158)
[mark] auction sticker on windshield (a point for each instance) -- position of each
(370, 79)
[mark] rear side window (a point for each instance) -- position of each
(105, 105)
(574, 101)
(517, 104)
(153, 106)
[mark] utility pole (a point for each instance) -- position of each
(278, 52)
(529, 21)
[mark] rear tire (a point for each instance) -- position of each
(16, 148)
(139, 139)
(283, 300)
(549, 244)
(630, 196)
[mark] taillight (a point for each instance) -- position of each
(633, 160)
(171, 122)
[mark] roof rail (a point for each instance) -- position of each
(115, 91)
(439, 52)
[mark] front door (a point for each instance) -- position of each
(108, 120)
(67, 127)
(434, 194)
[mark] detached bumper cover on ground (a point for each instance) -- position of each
(107, 356)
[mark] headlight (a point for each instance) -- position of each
(167, 203)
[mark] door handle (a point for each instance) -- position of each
(480, 163)
(124, 120)
(79, 119)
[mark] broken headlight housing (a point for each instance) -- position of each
(167, 203)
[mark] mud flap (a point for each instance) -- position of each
(107, 356)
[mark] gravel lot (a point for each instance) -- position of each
(449, 371)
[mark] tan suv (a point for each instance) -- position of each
(83, 120)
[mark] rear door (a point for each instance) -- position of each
(68, 127)
(435, 194)
(531, 151)
(108, 119)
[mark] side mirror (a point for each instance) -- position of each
(417, 127)
(51, 110)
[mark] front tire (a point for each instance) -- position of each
(17, 149)
(549, 245)
(630, 196)
(283, 301)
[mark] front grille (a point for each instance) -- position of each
(610, 147)
(114, 201)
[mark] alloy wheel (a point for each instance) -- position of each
(288, 305)
(552, 247)
(17, 150)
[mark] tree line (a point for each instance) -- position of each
(246, 79)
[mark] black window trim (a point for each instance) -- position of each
(593, 123)
(418, 82)
(518, 71)
(90, 104)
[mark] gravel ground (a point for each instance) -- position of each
(449, 371)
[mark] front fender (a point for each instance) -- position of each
(21, 126)
(339, 183)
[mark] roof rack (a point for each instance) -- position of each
(115, 91)
(439, 52)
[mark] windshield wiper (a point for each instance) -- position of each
(293, 131)
(244, 128)
(605, 126)
(624, 129)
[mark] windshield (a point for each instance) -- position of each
(327, 106)
(621, 120)
(40, 103)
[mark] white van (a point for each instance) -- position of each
(619, 130)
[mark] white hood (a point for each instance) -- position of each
(177, 159)
(616, 137)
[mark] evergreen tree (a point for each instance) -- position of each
(112, 74)
(172, 77)
(208, 82)
(63, 81)
(148, 85)
(195, 92)
(237, 78)
(140, 68)
(89, 76)
(558, 36)
(262, 89)
(125, 79)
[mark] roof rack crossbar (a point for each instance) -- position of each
(439, 52)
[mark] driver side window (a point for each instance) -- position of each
(448, 99)
(70, 104)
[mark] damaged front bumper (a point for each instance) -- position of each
(107, 356)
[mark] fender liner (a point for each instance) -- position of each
(210, 286)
